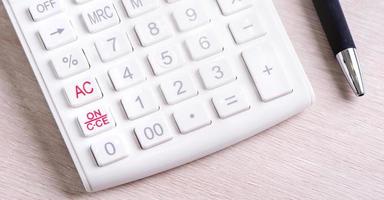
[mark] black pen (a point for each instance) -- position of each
(338, 34)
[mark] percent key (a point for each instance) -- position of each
(70, 63)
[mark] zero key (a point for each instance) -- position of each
(42, 9)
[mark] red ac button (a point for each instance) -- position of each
(83, 92)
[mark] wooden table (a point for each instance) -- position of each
(334, 150)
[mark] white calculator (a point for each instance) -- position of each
(138, 87)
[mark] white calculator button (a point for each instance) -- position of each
(229, 7)
(153, 133)
(126, 74)
(109, 150)
(216, 74)
(57, 32)
(166, 59)
(82, 92)
(229, 103)
(245, 30)
(189, 16)
(267, 73)
(81, 1)
(113, 46)
(191, 117)
(203, 45)
(153, 31)
(95, 119)
(178, 88)
(70, 62)
(135, 8)
(42, 9)
(139, 103)
(100, 16)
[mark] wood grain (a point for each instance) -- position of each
(334, 150)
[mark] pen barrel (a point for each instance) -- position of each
(334, 24)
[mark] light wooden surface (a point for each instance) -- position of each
(334, 150)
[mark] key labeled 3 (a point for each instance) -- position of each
(96, 119)
(82, 92)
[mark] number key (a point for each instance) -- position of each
(109, 150)
(165, 59)
(190, 16)
(126, 75)
(153, 133)
(178, 89)
(153, 31)
(139, 104)
(113, 46)
(216, 74)
(203, 45)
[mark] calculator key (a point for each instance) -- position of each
(100, 16)
(190, 15)
(82, 92)
(245, 30)
(70, 62)
(113, 46)
(267, 72)
(216, 74)
(57, 32)
(42, 9)
(191, 118)
(229, 103)
(95, 120)
(135, 8)
(81, 1)
(153, 133)
(178, 89)
(153, 31)
(229, 7)
(140, 103)
(166, 59)
(109, 150)
(203, 45)
(126, 74)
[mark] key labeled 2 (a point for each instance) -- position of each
(178, 88)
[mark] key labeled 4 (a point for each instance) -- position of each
(83, 92)
(95, 120)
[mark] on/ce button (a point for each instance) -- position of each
(42, 9)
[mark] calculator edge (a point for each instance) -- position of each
(47, 96)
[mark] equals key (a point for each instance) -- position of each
(230, 103)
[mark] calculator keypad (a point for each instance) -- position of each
(195, 66)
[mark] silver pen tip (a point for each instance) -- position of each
(350, 65)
